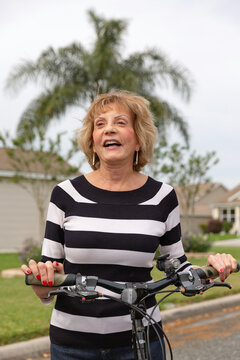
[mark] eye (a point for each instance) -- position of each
(99, 123)
(121, 121)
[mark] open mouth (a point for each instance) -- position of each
(110, 143)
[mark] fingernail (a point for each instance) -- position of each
(28, 271)
(38, 277)
(44, 283)
(222, 280)
(231, 272)
(50, 283)
(57, 263)
(221, 270)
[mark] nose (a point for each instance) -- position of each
(110, 128)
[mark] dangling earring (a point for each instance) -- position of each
(136, 158)
(93, 159)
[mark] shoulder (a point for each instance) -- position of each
(163, 193)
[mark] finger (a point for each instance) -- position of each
(50, 273)
(218, 263)
(34, 269)
(233, 263)
(43, 273)
(58, 267)
(26, 269)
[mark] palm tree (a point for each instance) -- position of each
(74, 75)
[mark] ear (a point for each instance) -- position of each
(137, 148)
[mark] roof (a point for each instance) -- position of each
(231, 196)
(203, 188)
(30, 162)
(202, 200)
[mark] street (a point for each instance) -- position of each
(214, 336)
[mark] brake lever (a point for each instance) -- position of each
(76, 291)
(229, 286)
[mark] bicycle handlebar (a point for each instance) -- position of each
(190, 280)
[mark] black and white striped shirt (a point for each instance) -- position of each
(113, 235)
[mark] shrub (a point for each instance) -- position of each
(214, 226)
(196, 243)
(203, 227)
(226, 226)
(30, 250)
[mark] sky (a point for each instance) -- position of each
(202, 35)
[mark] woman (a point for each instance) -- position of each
(109, 223)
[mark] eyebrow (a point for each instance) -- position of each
(115, 117)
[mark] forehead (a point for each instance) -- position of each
(119, 108)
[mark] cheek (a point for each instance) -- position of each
(130, 136)
(95, 138)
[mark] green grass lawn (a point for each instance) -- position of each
(9, 261)
(218, 237)
(22, 316)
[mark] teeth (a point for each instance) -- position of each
(108, 143)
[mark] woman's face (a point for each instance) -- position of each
(114, 138)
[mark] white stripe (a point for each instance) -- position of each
(160, 195)
(111, 293)
(55, 215)
(97, 325)
(128, 226)
(187, 268)
(71, 191)
(52, 249)
(175, 250)
(109, 256)
(173, 219)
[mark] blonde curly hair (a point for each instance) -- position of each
(143, 125)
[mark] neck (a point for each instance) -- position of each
(120, 178)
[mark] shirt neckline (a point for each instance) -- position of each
(98, 195)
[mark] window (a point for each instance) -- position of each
(227, 215)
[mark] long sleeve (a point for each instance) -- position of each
(171, 241)
(53, 244)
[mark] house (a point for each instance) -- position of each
(227, 208)
(200, 211)
(22, 206)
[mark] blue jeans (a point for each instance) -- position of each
(121, 353)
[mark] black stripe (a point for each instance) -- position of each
(168, 204)
(172, 236)
(47, 258)
(61, 198)
(144, 193)
(182, 259)
(54, 232)
(101, 240)
(91, 340)
(110, 272)
(98, 308)
(117, 211)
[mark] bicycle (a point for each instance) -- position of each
(133, 295)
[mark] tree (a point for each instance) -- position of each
(186, 169)
(38, 165)
(74, 75)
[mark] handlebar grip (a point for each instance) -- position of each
(208, 272)
(59, 280)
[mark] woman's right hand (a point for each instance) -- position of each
(43, 272)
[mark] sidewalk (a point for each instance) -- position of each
(32, 348)
(230, 242)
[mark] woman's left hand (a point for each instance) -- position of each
(225, 264)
